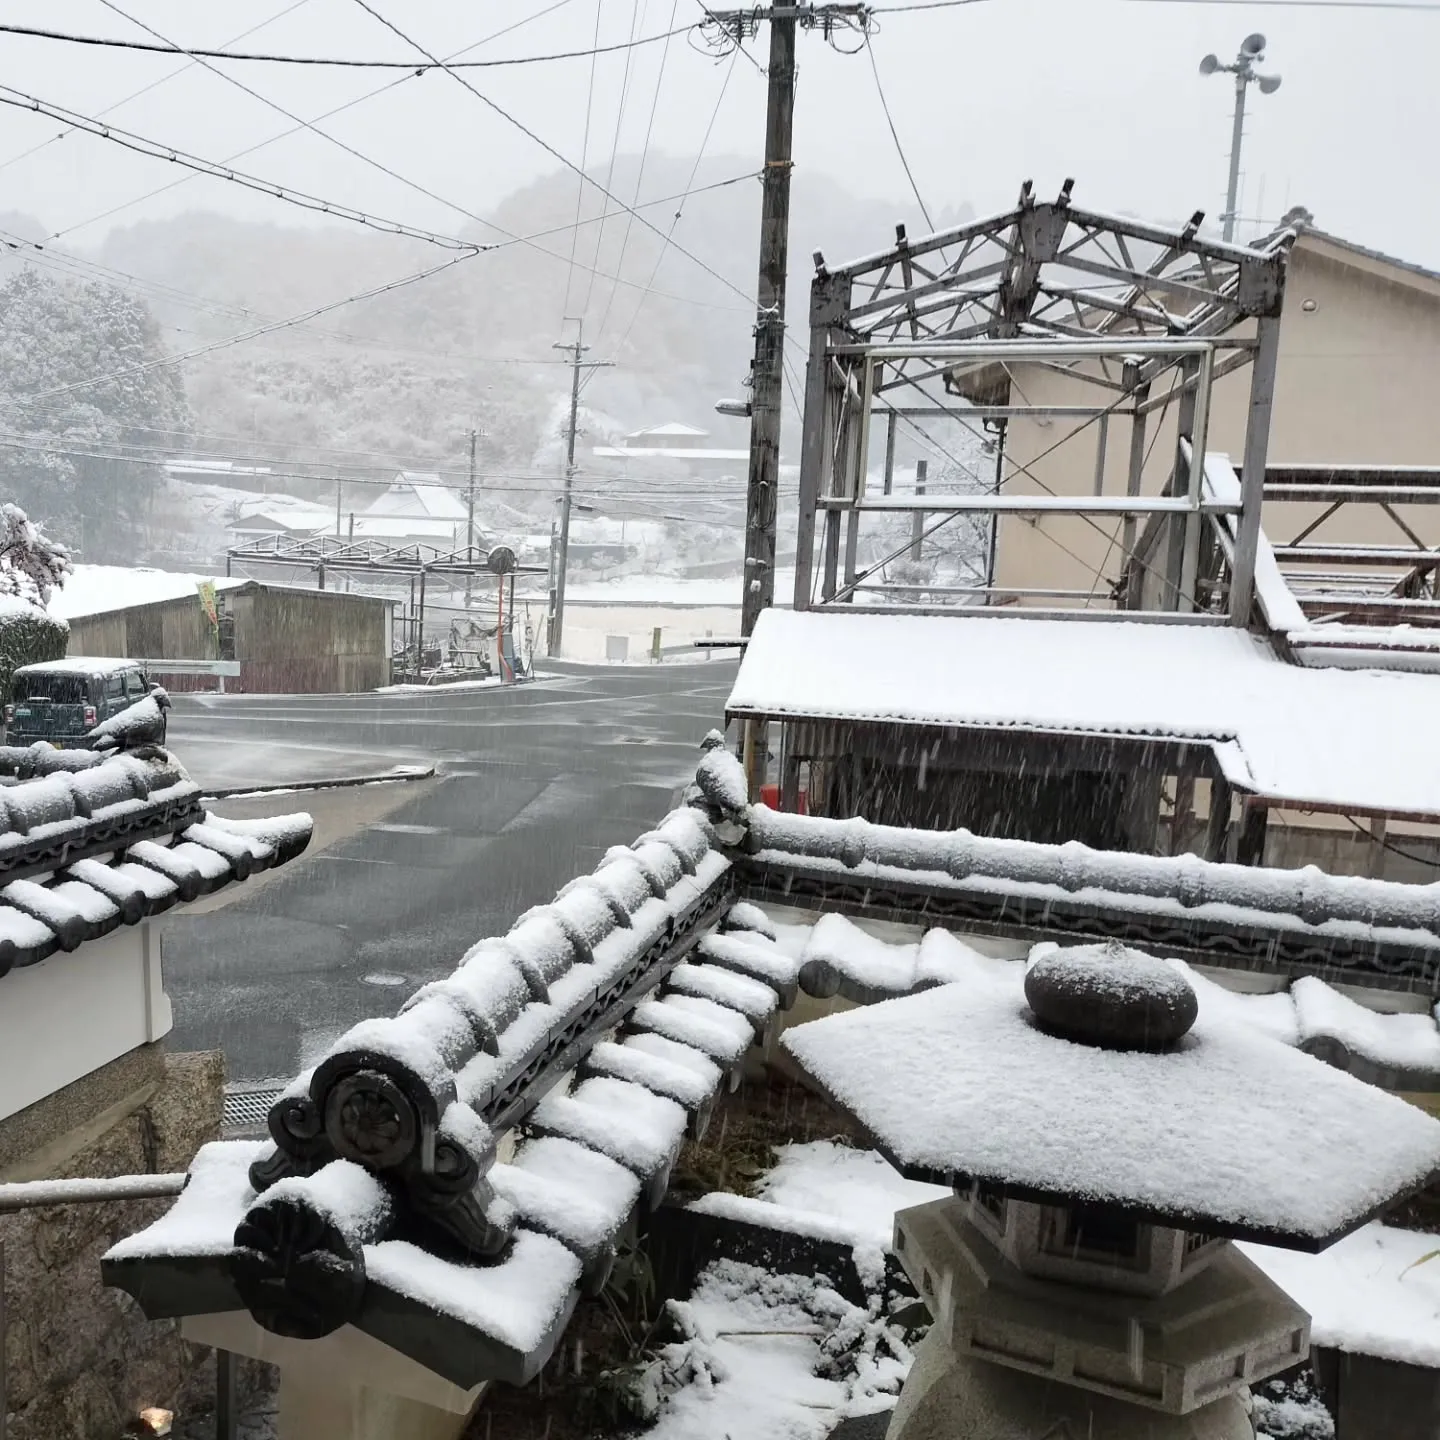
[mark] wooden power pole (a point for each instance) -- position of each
(767, 373)
(559, 565)
(470, 522)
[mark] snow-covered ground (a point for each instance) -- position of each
(752, 1344)
(1376, 1292)
(588, 630)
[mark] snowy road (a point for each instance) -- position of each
(535, 783)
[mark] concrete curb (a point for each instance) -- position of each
(403, 773)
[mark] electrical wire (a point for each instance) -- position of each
(326, 115)
(614, 153)
(1308, 4)
(291, 321)
(639, 174)
(584, 161)
(928, 5)
(600, 490)
(735, 42)
(161, 362)
(895, 136)
(549, 148)
(299, 120)
(153, 85)
(196, 53)
(1385, 844)
(156, 150)
(689, 186)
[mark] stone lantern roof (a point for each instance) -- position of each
(1091, 1083)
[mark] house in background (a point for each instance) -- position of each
(258, 478)
(1355, 386)
(287, 639)
(676, 449)
(418, 508)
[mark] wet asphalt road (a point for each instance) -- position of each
(534, 784)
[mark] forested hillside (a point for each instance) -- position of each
(409, 372)
(400, 378)
(67, 454)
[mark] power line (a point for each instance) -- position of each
(302, 318)
(639, 175)
(326, 115)
(547, 147)
(144, 367)
(290, 115)
(610, 169)
(727, 38)
(153, 85)
(292, 321)
(158, 151)
(584, 161)
(690, 188)
(1430, 860)
(166, 47)
(895, 136)
(928, 5)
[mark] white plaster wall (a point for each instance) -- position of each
(1355, 384)
(73, 1013)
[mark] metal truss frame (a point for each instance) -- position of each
(332, 552)
(1397, 584)
(1046, 283)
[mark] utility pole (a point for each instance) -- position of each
(767, 372)
(1251, 53)
(556, 629)
(917, 520)
(470, 522)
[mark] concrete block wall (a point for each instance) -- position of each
(81, 1360)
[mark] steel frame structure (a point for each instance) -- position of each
(372, 557)
(1397, 584)
(1115, 302)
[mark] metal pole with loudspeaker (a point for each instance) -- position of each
(1252, 50)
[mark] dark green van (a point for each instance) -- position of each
(85, 704)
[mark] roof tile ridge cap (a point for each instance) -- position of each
(617, 854)
(619, 912)
(551, 910)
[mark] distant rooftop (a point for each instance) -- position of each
(421, 494)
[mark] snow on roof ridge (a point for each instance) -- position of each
(1309, 893)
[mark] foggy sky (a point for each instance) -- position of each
(983, 96)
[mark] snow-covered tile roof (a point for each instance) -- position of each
(1375, 932)
(1334, 737)
(518, 1035)
(88, 847)
(958, 1082)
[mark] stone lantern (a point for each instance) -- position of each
(1104, 1147)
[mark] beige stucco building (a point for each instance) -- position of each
(1358, 382)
